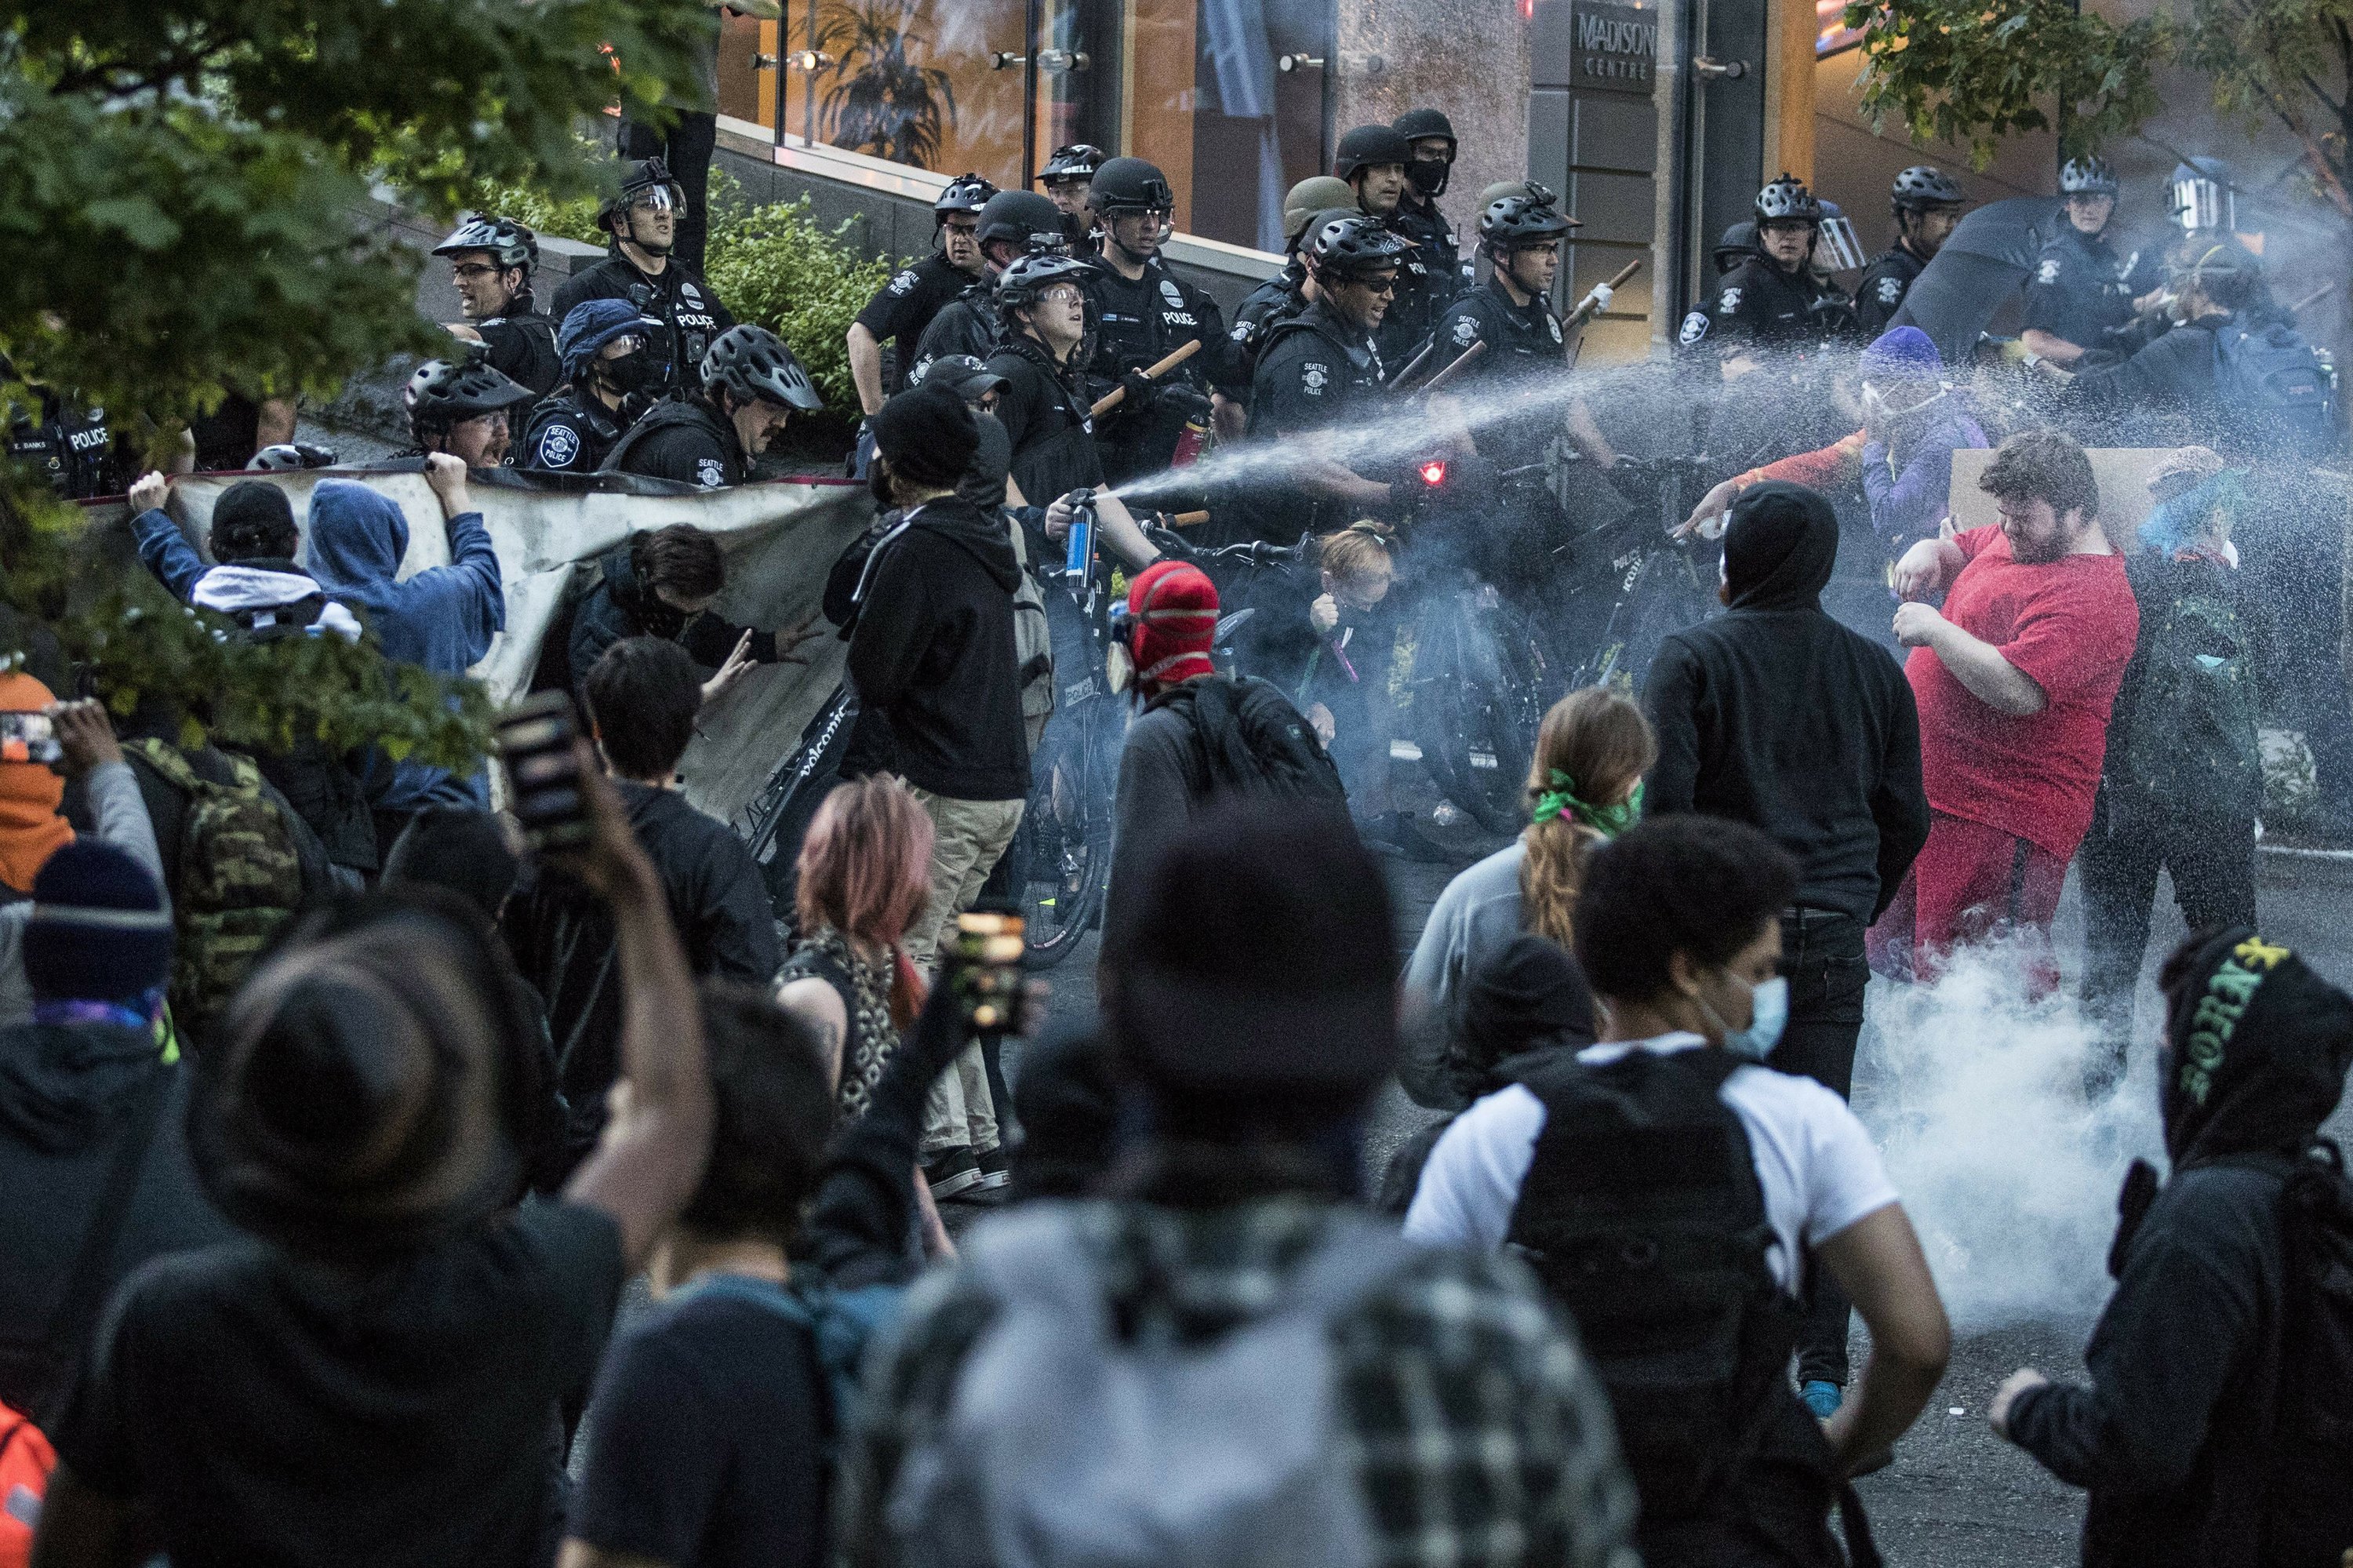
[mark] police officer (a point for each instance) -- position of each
(1013, 224)
(1068, 176)
(1373, 159)
(1142, 314)
(1321, 368)
(613, 369)
(751, 386)
(901, 308)
(1044, 404)
(1927, 203)
(1511, 313)
(1288, 291)
(1774, 300)
(2080, 296)
(643, 221)
(1430, 137)
(461, 407)
(491, 260)
(69, 446)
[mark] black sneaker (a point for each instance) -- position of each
(952, 1171)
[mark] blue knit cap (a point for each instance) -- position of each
(1902, 353)
(100, 930)
(590, 326)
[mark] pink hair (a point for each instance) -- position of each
(865, 870)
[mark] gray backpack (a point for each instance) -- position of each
(1066, 1444)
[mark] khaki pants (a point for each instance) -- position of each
(969, 837)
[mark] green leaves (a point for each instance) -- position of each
(774, 266)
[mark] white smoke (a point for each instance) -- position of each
(2008, 1168)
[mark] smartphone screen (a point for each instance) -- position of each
(542, 773)
(988, 974)
(28, 737)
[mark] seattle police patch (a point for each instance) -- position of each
(903, 282)
(709, 474)
(558, 445)
(1466, 332)
(1890, 291)
(1313, 376)
(1694, 328)
(1554, 322)
(2048, 273)
(1729, 302)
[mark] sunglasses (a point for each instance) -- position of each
(1378, 288)
(473, 269)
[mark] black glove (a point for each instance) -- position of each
(1138, 386)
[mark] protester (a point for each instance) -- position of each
(663, 584)
(642, 696)
(1201, 736)
(933, 654)
(1679, 933)
(1222, 1360)
(2183, 781)
(2014, 680)
(2211, 1431)
(372, 1374)
(32, 827)
(91, 1152)
(442, 618)
(1834, 779)
(1585, 787)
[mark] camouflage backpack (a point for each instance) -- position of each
(238, 880)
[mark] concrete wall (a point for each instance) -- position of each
(1467, 57)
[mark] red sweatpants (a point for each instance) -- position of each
(1970, 883)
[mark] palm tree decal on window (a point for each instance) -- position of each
(880, 103)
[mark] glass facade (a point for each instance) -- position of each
(1229, 97)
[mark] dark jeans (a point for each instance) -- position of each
(1822, 952)
(2211, 857)
(686, 152)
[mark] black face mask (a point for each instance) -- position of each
(635, 371)
(1428, 176)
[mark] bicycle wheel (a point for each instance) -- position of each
(1063, 845)
(1478, 696)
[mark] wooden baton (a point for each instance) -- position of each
(1111, 399)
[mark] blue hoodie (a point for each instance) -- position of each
(442, 619)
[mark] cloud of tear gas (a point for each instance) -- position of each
(2008, 1168)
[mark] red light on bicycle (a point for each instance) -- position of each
(1433, 473)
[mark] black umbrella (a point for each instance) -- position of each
(1989, 254)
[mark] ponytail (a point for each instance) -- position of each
(1594, 744)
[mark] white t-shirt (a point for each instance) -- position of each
(1817, 1165)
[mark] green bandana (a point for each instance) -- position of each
(1607, 821)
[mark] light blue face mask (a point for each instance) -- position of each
(1768, 1015)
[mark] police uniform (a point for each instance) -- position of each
(1044, 409)
(969, 324)
(1278, 298)
(1137, 324)
(1315, 371)
(1433, 237)
(679, 299)
(1423, 293)
(683, 438)
(901, 308)
(1758, 305)
(69, 447)
(2079, 291)
(1879, 292)
(1524, 349)
(520, 344)
(570, 432)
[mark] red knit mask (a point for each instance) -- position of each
(1172, 609)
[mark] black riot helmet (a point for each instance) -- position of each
(649, 176)
(1130, 184)
(2087, 176)
(753, 362)
(1923, 187)
(1025, 218)
(509, 243)
(445, 392)
(1368, 146)
(966, 193)
(1079, 160)
(1428, 175)
(1787, 200)
(1513, 221)
(1736, 245)
(1349, 248)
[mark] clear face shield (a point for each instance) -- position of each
(1836, 248)
(2205, 203)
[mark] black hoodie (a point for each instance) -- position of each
(932, 651)
(620, 606)
(1776, 715)
(2172, 1438)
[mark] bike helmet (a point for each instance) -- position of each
(1415, 124)
(2087, 176)
(1736, 245)
(1354, 245)
(753, 362)
(652, 174)
(509, 242)
(966, 193)
(290, 457)
(1022, 283)
(1369, 147)
(1318, 193)
(446, 392)
(1787, 200)
(1131, 185)
(1516, 220)
(2198, 197)
(1024, 217)
(590, 326)
(1079, 160)
(1924, 186)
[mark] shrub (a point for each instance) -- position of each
(776, 266)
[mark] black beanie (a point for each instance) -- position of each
(101, 929)
(927, 434)
(1530, 993)
(251, 518)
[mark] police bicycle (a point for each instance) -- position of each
(1657, 583)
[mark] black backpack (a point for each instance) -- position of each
(2274, 387)
(2189, 739)
(2308, 1510)
(1248, 739)
(1643, 1215)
